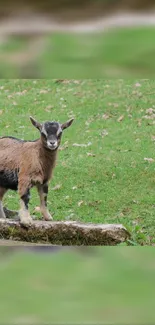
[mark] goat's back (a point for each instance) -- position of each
(29, 157)
(13, 151)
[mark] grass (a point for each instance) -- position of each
(109, 286)
(126, 52)
(116, 184)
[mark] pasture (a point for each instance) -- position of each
(105, 171)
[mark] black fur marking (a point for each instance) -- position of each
(45, 181)
(7, 137)
(19, 140)
(45, 199)
(59, 135)
(26, 198)
(45, 190)
(9, 179)
(51, 127)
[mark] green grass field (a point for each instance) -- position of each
(126, 52)
(111, 286)
(108, 180)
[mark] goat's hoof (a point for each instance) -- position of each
(26, 221)
(11, 214)
(2, 217)
(48, 218)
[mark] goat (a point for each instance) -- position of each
(24, 164)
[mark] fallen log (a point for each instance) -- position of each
(64, 233)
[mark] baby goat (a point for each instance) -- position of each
(24, 164)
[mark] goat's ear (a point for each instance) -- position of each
(35, 123)
(67, 124)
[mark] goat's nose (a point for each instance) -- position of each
(52, 143)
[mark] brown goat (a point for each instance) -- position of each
(24, 164)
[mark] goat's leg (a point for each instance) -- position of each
(43, 192)
(11, 214)
(25, 218)
(2, 192)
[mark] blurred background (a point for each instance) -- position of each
(77, 286)
(77, 39)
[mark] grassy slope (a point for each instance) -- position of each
(117, 184)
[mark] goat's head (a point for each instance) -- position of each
(51, 132)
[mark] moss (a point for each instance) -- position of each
(61, 233)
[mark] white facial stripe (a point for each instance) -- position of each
(59, 130)
(43, 130)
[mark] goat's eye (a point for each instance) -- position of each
(59, 135)
(43, 134)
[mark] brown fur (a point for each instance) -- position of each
(30, 163)
(35, 163)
